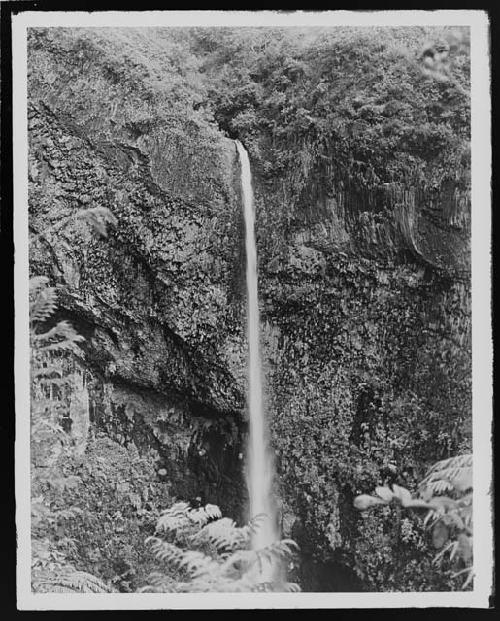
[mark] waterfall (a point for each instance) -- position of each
(260, 465)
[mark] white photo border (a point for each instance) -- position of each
(482, 347)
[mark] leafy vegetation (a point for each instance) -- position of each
(208, 552)
(449, 518)
(93, 500)
(51, 447)
(82, 482)
(342, 105)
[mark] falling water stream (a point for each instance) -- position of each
(260, 465)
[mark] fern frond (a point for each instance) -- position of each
(43, 303)
(62, 346)
(63, 329)
(291, 587)
(193, 562)
(454, 473)
(286, 548)
(198, 564)
(50, 587)
(164, 551)
(51, 372)
(233, 567)
(224, 535)
(202, 515)
(97, 218)
(240, 560)
(180, 516)
(36, 284)
(174, 518)
(71, 582)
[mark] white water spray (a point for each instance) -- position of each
(260, 466)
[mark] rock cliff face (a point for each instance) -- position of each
(366, 311)
(158, 300)
(363, 217)
(365, 302)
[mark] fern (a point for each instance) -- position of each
(97, 218)
(191, 561)
(454, 473)
(180, 516)
(53, 354)
(49, 362)
(448, 518)
(217, 558)
(43, 299)
(43, 304)
(225, 535)
(61, 337)
(36, 285)
(283, 549)
(71, 581)
(50, 444)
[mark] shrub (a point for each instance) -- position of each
(448, 517)
(51, 446)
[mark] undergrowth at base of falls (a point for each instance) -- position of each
(446, 495)
(97, 522)
(203, 551)
(94, 503)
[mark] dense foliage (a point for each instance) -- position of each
(450, 518)
(93, 501)
(348, 106)
(208, 552)
(51, 447)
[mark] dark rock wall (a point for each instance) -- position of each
(159, 299)
(367, 334)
